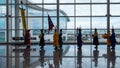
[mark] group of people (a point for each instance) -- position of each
(57, 39)
(111, 40)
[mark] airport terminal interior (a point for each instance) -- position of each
(21, 22)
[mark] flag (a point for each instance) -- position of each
(50, 24)
(23, 18)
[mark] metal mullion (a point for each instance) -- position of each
(91, 30)
(59, 3)
(43, 14)
(59, 16)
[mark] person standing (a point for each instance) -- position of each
(42, 41)
(95, 39)
(55, 39)
(113, 39)
(60, 39)
(79, 39)
(27, 38)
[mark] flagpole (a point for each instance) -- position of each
(58, 16)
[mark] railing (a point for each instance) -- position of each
(69, 35)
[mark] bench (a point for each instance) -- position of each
(22, 38)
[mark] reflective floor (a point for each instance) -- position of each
(68, 57)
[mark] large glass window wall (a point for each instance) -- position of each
(86, 14)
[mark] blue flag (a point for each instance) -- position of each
(50, 24)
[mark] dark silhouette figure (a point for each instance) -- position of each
(26, 55)
(95, 55)
(113, 39)
(27, 38)
(42, 41)
(60, 39)
(42, 53)
(95, 39)
(79, 58)
(56, 58)
(79, 39)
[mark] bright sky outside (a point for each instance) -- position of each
(84, 10)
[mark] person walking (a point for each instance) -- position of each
(113, 39)
(79, 39)
(95, 39)
(55, 39)
(42, 41)
(60, 39)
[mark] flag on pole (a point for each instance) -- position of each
(50, 24)
(23, 16)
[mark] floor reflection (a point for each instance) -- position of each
(79, 58)
(42, 54)
(68, 57)
(95, 55)
(56, 59)
(26, 55)
(111, 57)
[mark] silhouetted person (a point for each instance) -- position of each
(56, 39)
(95, 55)
(60, 39)
(26, 55)
(95, 39)
(79, 39)
(113, 39)
(79, 58)
(42, 41)
(56, 58)
(27, 38)
(42, 53)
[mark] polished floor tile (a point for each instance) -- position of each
(68, 57)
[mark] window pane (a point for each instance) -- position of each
(68, 9)
(115, 9)
(2, 23)
(99, 1)
(66, 1)
(34, 23)
(99, 22)
(51, 13)
(83, 22)
(2, 1)
(2, 31)
(70, 24)
(83, 10)
(115, 22)
(114, 0)
(35, 1)
(2, 10)
(50, 1)
(82, 1)
(34, 12)
(99, 10)
(63, 23)
(50, 7)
